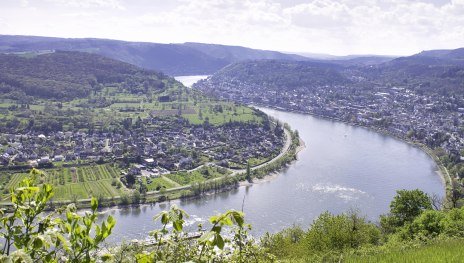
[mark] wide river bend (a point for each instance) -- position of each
(342, 167)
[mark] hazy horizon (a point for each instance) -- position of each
(346, 27)
(305, 54)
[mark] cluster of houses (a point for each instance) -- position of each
(433, 119)
(161, 144)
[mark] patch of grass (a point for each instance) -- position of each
(200, 175)
(220, 113)
(257, 161)
(156, 184)
(444, 251)
(184, 178)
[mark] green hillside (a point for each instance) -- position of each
(64, 76)
(90, 122)
(75, 90)
(281, 74)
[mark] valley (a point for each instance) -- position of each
(212, 131)
(341, 168)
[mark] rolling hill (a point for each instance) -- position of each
(439, 71)
(172, 59)
(66, 75)
(456, 55)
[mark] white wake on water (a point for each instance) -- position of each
(343, 192)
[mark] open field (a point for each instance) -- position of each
(200, 175)
(156, 184)
(102, 180)
(107, 108)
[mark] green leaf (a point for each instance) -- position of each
(145, 258)
(219, 242)
(94, 204)
(239, 218)
(111, 222)
(216, 229)
(107, 257)
(206, 237)
(37, 243)
(214, 219)
(177, 225)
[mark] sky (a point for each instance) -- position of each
(395, 27)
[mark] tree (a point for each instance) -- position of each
(454, 194)
(130, 179)
(339, 232)
(278, 131)
(405, 207)
(428, 224)
(136, 196)
(248, 172)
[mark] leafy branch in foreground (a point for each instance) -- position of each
(30, 235)
(226, 241)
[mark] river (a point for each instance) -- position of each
(342, 167)
(188, 81)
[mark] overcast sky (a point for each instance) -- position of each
(395, 27)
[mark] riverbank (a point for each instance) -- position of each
(300, 147)
(274, 175)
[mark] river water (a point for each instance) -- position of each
(342, 168)
(188, 81)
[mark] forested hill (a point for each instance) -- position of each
(65, 75)
(425, 71)
(172, 59)
(282, 74)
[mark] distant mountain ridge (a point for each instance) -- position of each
(172, 59)
(238, 53)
